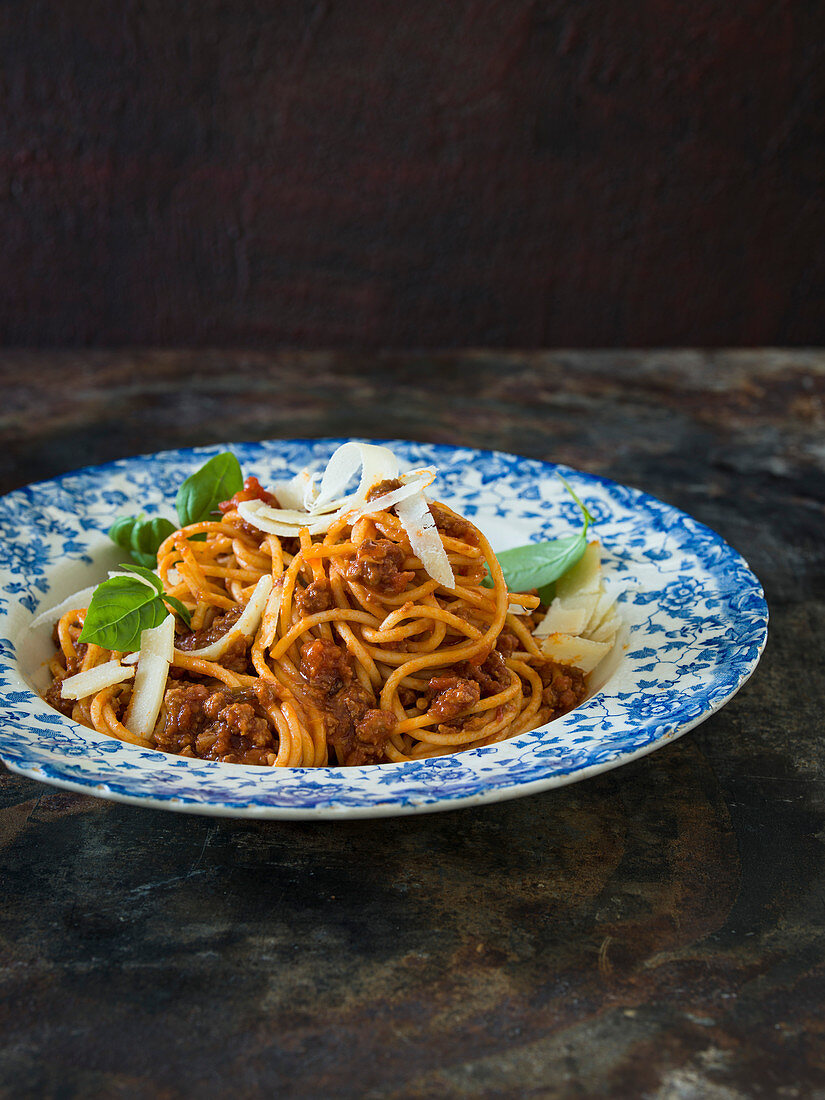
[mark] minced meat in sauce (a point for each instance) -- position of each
(226, 724)
(377, 565)
(454, 527)
(235, 657)
(200, 639)
(507, 643)
(564, 687)
(381, 488)
(325, 666)
(357, 730)
(490, 674)
(53, 695)
(451, 696)
(317, 596)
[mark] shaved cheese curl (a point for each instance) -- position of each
(376, 464)
(391, 499)
(152, 673)
(264, 517)
(289, 522)
(292, 493)
(93, 680)
(425, 540)
(246, 626)
(269, 625)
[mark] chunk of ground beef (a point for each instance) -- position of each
(74, 664)
(507, 643)
(372, 732)
(377, 566)
(53, 695)
(564, 687)
(451, 696)
(357, 730)
(491, 675)
(199, 639)
(316, 597)
(382, 487)
(325, 666)
(227, 724)
(407, 697)
(236, 656)
(454, 527)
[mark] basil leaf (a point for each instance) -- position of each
(217, 480)
(119, 611)
(141, 537)
(147, 575)
(547, 593)
(121, 532)
(540, 564)
(181, 609)
(146, 537)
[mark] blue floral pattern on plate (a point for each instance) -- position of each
(695, 614)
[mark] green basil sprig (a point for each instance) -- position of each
(122, 607)
(540, 564)
(197, 500)
(141, 537)
(199, 496)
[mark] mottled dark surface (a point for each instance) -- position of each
(466, 173)
(656, 932)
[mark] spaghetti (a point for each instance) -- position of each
(355, 654)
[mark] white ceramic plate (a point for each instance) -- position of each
(696, 624)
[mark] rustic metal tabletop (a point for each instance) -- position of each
(657, 931)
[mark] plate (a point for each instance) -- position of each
(695, 626)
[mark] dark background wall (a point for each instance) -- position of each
(432, 172)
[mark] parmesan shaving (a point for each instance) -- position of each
(289, 522)
(94, 680)
(269, 626)
(584, 577)
(291, 494)
(156, 650)
(582, 623)
(423, 479)
(569, 620)
(282, 521)
(607, 630)
(376, 464)
(417, 520)
(159, 642)
(579, 652)
(246, 626)
(605, 606)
